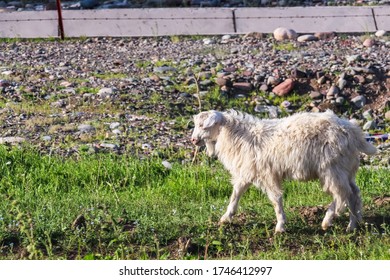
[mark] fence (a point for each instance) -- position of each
(192, 21)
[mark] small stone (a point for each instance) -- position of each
(333, 90)
(86, 128)
(222, 81)
(7, 73)
(243, 87)
(340, 100)
(167, 164)
(359, 101)
(387, 115)
(321, 80)
(369, 125)
(116, 132)
(325, 35)
(263, 87)
(11, 140)
(380, 33)
(284, 88)
(353, 58)
(208, 41)
(66, 84)
(360, 79)
(226, 38)
(273, 81)
(105, 92)
(315, 95)
(282, 33)
(163, 69)
(307, 38)
(114, 125)
(342, 83)
(109, 146)
(255, 35)
(369, 42)
(46, 138)
(298, 74)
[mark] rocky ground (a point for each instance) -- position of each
(137, 95)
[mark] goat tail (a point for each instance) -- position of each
(362, 144)
(366, 147)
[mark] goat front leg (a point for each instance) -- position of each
(238, 189)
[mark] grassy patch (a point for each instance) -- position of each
(120, 207)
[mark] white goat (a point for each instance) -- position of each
(305, 146)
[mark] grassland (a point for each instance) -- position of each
(107, 206)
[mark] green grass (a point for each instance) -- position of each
(120, 207)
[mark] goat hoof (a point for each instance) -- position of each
(280, 230)
(225, 220)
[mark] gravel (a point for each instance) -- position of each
(137, 95)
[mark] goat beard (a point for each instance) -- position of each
(210, 148)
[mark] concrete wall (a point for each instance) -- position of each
(193, 21)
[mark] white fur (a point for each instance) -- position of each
(303, 147)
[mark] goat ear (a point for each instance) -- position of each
(213, 119)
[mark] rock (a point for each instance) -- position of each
(325, 35)
(359, 101)
(369, 125)
(163, 69)
(255, 35)
(282, 33)
(242, 87)
(109, 146)
(7, 73)
(340, 100)
(387, 115)
(342, 83)
(272, 81)
(321, 80)
(11, 140)
(58, 104)
(263, 87)
(208, 41)
(333, 90)
(298, 74)
(307, 38)
(223, 82)
(114, 125)
(46, 138)
(167, 164)
(106, 93)
(369, 42)
(360, 79)
(284, 88)
(116, 132)
(86, 128)
(225, 39)
(353, 58)
(380, 33)
(315, 95)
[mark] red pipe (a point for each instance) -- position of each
(60, 22)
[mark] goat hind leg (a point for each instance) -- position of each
(355, 207)
(277, 202)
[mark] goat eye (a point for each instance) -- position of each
(201, 125)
